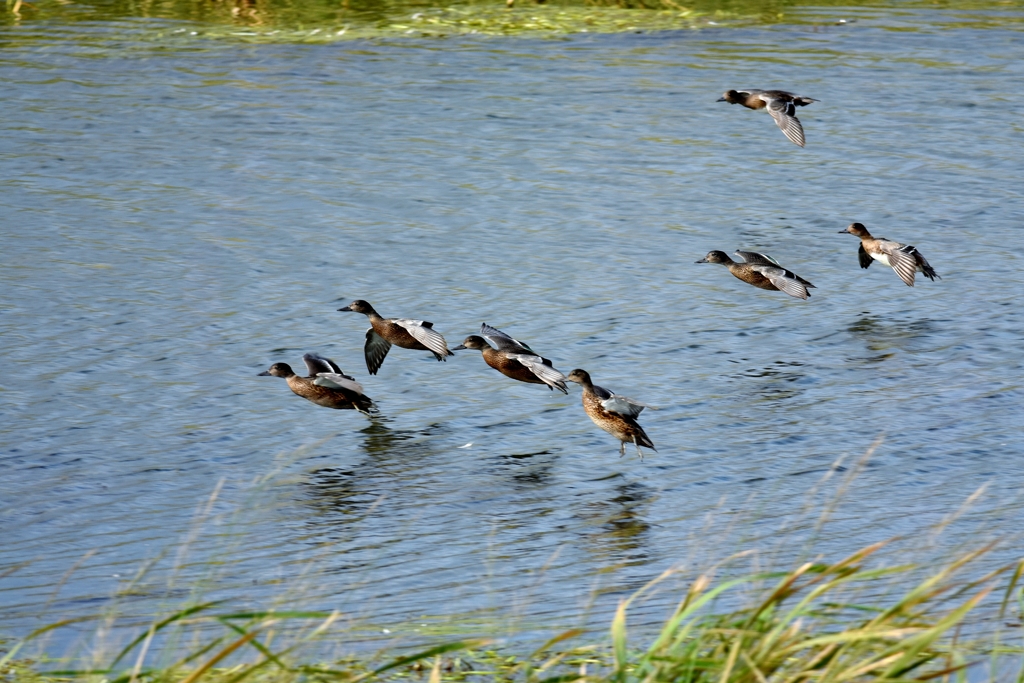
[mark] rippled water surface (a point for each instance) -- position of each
(177, 218)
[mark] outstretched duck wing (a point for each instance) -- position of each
(502, 341)
(316, 364)
(784, 113)
(425, 334)
(904, 262)
(785, 281)
(864, 257)
(375, 350)
(755, 257)
(923, 264)
(335, 380)
(625, 406)
(542, 370)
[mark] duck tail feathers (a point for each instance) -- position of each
(644, 440)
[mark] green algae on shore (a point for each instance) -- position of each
(323, 21)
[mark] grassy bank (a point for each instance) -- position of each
(334, 20)
(318, 21)
(810, 624)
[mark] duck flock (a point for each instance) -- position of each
(326, 384)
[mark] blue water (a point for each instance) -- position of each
(177, 218)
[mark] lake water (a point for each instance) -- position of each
(176, 217)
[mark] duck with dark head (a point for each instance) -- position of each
(762, 271)
(513, 358)
(779, 103)
(613, 413)
(325, 386)
(405, 333)
(905, 259)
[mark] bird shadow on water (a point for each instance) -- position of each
(390, 459)
(526, 470)
(780, 381)
(884, 336)
(616, 530)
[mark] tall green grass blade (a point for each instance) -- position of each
(212, 662)
(160, 625)
(943, 672)
(671, 630)
(276, 614)
(915, 645)
(248, 671)
(620, 645)
(560, 638)
(262, 649)
(38, 632)
(753, 668)
(1014, 580)
(410, 659)
(527, 664)
(933, 586)
(731, 661)
(196, 654)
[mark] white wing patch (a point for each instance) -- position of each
(334, 380)
(545, 373)
(779, 278)
(789, 124)
(426, 335)
(904, 264)
(624, 406)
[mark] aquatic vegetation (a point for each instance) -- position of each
(276, 21)
(538, 21)
(322, 21)
(809, 624)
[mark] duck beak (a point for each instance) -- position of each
(460, 347)
(720, 99)
(346, 309)
(264, 374)
(703, 260)
(843, 230)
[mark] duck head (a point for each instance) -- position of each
(278, 370)
(472, 342)
(359, 306)
(580, 377)
(857, 229)
(716, 257)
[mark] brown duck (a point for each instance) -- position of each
(326, 385)
(404, 332)
(905, 259)
(762, 271)
(779, 103)
(613, 413)
(513, 358)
